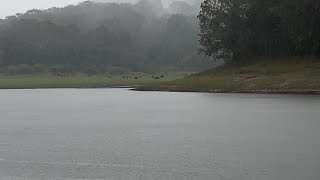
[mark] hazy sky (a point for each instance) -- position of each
(11, 7)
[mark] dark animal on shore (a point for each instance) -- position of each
(136, 78)
(156, 78)
(162, 76)
(62, 75)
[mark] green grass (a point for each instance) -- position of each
(81, 80)
(276, 75)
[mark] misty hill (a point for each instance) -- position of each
(183, 7)
(93, 37)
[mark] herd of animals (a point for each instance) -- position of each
(156, 77)
(139, 77)
(64, 75)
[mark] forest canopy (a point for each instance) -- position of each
(239, 29)
(95, 37)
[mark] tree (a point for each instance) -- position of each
(222, 27)
(243, 28)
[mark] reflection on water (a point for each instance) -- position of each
(127, 135)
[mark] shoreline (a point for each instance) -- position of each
(72, 87)
(180, 89)
(262, 91)
(289, 75)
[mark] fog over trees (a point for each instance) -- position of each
(92, 37)
(148, 36)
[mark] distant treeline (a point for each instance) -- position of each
(240, 29)
(99, 37)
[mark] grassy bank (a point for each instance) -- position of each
(82, 81)
(283, 75)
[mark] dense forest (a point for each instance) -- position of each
(240, 29)
(95, 37)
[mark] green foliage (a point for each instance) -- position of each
(244, 28)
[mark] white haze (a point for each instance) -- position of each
(11, 7)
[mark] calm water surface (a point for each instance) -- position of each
(118, 134)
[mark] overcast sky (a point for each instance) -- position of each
(11, 7)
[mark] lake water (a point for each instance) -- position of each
(119, 134)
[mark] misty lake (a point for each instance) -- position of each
(119, 134)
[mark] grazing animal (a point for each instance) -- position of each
(136, 78)
(62, 75)
(162, 76)
(156, 78)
